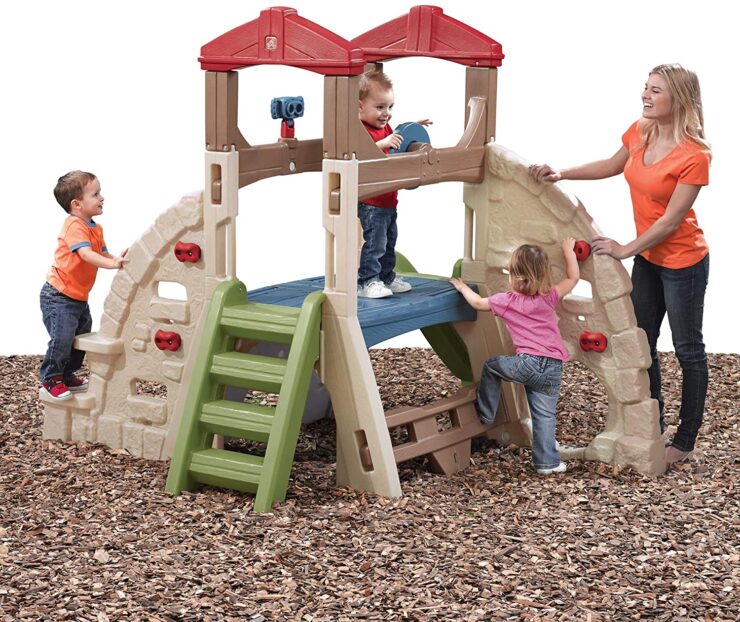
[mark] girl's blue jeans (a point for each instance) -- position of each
(678, 293)
(64, 318)
(541, 378)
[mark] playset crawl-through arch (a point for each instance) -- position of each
(211, 341)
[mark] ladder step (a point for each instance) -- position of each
(260, 322)
(238, 420)
(226, 469)
(249, 371)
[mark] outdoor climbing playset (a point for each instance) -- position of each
(316, 330)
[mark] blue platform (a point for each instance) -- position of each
(430, 302)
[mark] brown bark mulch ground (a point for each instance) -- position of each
(88, 533)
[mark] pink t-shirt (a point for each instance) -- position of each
(531, 322)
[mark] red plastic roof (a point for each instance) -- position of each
(279, 36)
(427, 31)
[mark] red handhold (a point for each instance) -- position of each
(585, 342)
(592, 341)
(187, 251)
(582, 250)
(167, 340)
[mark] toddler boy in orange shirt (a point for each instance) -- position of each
(81, 250)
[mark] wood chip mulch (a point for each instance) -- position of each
(88, 533)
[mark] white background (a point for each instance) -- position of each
(115, 88)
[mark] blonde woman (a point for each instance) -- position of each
(665, 159)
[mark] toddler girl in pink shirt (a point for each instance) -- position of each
(528, 311)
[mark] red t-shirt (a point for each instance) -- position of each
(651, 188)
(389, 199)
(70, 274)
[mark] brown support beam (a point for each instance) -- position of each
(482, 82)
(285, 157)
(423, 167)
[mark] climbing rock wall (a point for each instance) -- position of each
(125, 406)
(512, 209)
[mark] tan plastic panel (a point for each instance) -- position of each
(122, 354)
(511, 209)
(345, 363)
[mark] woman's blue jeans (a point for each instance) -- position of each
(679, 293)
(541, 378)
(378, 255)
(64, 318)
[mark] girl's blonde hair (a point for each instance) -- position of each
(529, 270)
(688, 114)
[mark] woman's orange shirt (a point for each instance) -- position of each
(651, 188)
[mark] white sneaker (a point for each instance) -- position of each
(561, 468)
(374, 289)
(399, 286)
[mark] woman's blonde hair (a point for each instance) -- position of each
(529, 270)
(688, 114)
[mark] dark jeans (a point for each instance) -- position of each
(64, 318)
(679, 293)
(378, 256)
(541, 377)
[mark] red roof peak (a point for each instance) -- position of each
(427, 31)
(279, 36)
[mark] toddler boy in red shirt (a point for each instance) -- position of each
(375, 276)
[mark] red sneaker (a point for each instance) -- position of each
(57, 389)
(75, 384)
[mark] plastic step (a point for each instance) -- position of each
(249, 371)
(260, 322)
(238, 420)
(226, 469)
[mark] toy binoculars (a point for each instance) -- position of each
(286, 107)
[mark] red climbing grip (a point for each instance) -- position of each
(582, 249)
(592, 341)
(167, 340)
(187, 251)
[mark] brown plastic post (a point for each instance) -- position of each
(222, 97)
(482, 82)
(211, 118)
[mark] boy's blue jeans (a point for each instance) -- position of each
(541, 378)
(64, 318)
(378, 255)
(679, 293)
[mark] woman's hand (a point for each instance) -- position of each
(606, 246)
(425, 122)
(544, 172)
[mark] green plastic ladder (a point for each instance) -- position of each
(231, 316)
